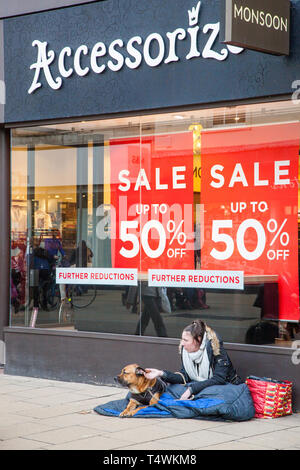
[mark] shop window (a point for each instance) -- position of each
(196, 199)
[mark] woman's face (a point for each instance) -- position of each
(189, 343)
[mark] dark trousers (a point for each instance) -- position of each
(44, 282)
(151, 311)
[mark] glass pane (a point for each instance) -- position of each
(173, 196)
(19, 218)
(67, 222)
(244, 208)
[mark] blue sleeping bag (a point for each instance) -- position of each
(218, 402)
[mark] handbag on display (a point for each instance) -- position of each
(271, 398)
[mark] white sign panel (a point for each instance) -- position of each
(199, 279)
(109, 276)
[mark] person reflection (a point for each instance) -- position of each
(151, 310)
(54, 248)
(41, 264)
(82, 255)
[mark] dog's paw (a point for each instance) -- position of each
(127, 414)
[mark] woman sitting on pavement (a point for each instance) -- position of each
(205, 362)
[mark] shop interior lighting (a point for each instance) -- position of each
(249, 114)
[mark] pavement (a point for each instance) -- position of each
(41, 414)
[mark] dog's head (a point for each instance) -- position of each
(132, 376)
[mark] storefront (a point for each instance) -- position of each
(148, 159)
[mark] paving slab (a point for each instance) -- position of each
(24, 429)
(63, 435)
(92, 443)
(19, 443)
(151, 432)
(197, 439)
(278, 440)
(250, 428)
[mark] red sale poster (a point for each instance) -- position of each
(250, 198)
(152, 201)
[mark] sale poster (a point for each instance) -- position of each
(152, 202)
(250, 200)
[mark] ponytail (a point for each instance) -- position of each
(197, 330)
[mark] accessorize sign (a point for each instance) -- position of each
(154, 50)
(115, 58)
(262, 25)
(250, 176)
(197, 279)
(152, 202)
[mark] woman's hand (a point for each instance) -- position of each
(186, 395)
(153, 373)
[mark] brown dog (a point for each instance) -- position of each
(144, 392)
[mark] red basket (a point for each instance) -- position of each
(271, 398)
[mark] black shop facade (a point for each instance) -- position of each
(144, 153)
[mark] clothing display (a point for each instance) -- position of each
(18, 218)
(42, 220)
